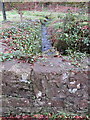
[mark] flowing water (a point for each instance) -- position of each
(46, 43)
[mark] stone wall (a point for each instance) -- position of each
(44, 91)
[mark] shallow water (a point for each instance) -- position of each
(46, 43)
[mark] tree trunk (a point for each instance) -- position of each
(3, 11)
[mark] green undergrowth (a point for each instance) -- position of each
(70, 33)
(23, 41)
(48, 115)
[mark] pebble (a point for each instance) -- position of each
(72, 82)
(73, 90)
(78, 86)
(39, 94)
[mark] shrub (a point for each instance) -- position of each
(74, 35)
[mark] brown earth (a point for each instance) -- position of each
(51, 84)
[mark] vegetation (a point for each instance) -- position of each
(72, 33)
(69, 33)
(45, 116)
(23, 41)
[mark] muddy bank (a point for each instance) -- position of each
(51, 85)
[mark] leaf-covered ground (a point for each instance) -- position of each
(22, 41)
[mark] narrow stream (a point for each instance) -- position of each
(46, 43)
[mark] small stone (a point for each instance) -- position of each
(78, 86)
(65, 76)
(72, 82)
(24, 80)
(73, 90)
(69, 63)
(58, 91)
(41, 103)
(49, 103)
(39, 94)
(70, 90)
(26, 101)
(51, 65)
(24, 76)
